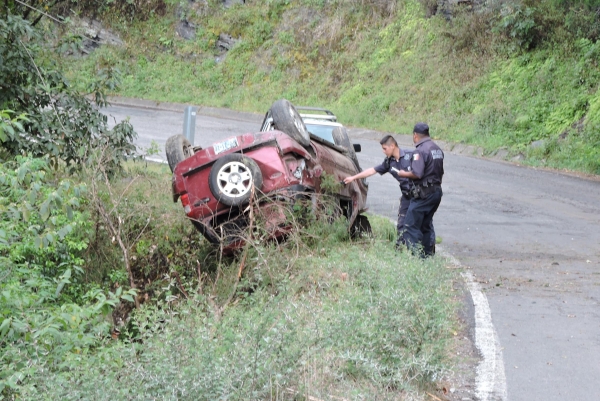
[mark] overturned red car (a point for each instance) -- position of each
(284, 162)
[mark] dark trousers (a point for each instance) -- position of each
(418, 223)
(404, 203)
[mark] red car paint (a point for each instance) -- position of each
(278, 157)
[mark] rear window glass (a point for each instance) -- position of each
(322, 131)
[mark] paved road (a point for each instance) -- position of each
(531, 238)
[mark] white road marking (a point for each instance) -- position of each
(490, 379)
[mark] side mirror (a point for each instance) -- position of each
(357, 147)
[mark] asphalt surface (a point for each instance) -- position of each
(531, 239)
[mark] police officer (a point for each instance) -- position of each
(426, 174)
(396, 160)
(405, 188)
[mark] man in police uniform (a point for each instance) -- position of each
(396, 160)
(426, 174)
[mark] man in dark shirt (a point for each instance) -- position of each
(405, 188)
(426, 175)
(395, 161)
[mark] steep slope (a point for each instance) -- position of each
(519, 78)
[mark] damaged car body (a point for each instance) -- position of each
(282, 163)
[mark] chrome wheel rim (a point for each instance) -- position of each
(234, 179)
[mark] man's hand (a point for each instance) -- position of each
(348, 180)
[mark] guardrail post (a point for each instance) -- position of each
(189, 123)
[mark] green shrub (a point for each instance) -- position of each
(46, 312)
(518, 23)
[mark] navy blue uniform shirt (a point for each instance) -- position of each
(403, 164)
(428, 162)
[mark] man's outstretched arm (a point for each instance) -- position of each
(363, 174)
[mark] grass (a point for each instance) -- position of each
(379, 67)
(374, 328)
(318, 315)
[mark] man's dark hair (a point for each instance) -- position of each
(388, 140)
(422, 129)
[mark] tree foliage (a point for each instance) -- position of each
(55, 120)
(47, 309)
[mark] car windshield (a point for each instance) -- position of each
(322, 131)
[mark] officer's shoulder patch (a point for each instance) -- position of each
(415, 156)
(407, 156)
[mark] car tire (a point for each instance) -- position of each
(288, 120)
(178, 148)
(341, 138)
(233, 178)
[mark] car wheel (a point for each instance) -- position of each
(341, 138)
(287, 119)
(232, 179)
(361, 227)
(177, 148)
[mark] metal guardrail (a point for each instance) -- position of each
(189, 123)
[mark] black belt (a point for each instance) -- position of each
(428, 190)
(420, 192)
